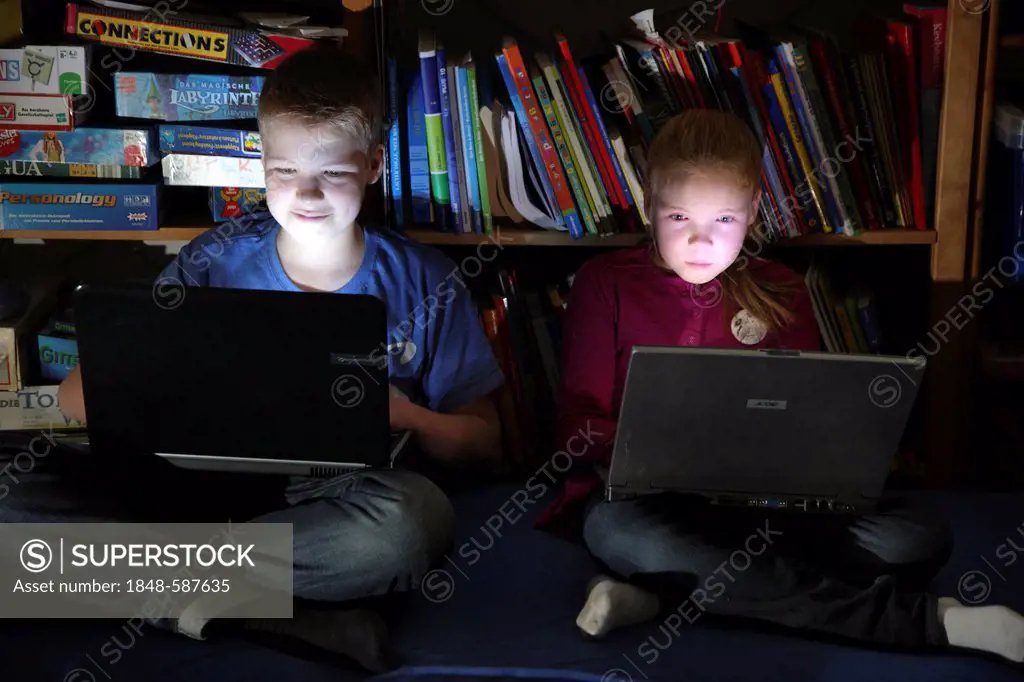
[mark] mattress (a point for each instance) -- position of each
(502, 606)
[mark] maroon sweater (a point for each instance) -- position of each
(621, 300)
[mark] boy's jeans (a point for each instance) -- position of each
(359, 535)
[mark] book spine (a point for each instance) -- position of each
(839, 178)
(581, 105)
(904, 43)
(419, 155)
(806, 191)
(469, 148)
(451, 159)
(550, 167)
(570, 128)
(524, 125)
(478, 140)
(439, 188)
(874, 82)
(603, 132)
(866, 201)
(563, 152)
(863, 114)
(815, 147)
(394, 147)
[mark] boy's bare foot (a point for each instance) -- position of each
(612, 604)
(995, 629)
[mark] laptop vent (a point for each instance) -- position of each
(331, 472)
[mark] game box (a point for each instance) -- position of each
(37, 112)
(212, 171)
(46, 70)
(212, 141)
(78, 206)
(186, 97)
(232, 202)
(58, 355)
(30, 153)
(166, 30)
(34, 408)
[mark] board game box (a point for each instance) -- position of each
(232, 202)
(78, 206)
(37, 112)
(93, 146)
(212, 171)
(46, 70)
(44, 169)
(212, 141)
(162, 29)
(186, 97)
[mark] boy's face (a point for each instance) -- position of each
(316, 176)
(700, 223)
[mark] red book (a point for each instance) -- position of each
(593, 133)
(906, 88)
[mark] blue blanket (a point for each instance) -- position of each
(502, 606)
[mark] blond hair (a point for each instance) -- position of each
(323, 84)
(715, 143)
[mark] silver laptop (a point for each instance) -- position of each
(801, 431)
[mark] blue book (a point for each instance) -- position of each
(449, 141)
(395, 147)
(469, 147)
(435, 132)
(817, 155)
(804, 205)
(419, 159)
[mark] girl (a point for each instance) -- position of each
(861, 578)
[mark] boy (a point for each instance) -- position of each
(368, 533)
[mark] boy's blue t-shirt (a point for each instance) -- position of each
(438, 354)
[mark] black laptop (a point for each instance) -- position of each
(801, 431)
(230, 379)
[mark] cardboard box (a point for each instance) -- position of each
(186, 97)
(45, 69)
(37, 112)
(232, 202)
(17, 341)
(163, 29)
(212, 141)
(129, 146)
(33, 408)
(78, 206)
(34, 169)
(212, 171)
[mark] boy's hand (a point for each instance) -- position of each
(403, 411)
(471, 433)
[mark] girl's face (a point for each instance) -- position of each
(700, 223)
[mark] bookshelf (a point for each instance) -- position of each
(946, 244)
(506, 236)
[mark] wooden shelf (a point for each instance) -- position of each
(1012, 40)
(164, 234)
(505, 237)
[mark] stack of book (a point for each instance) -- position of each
(848, 125)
